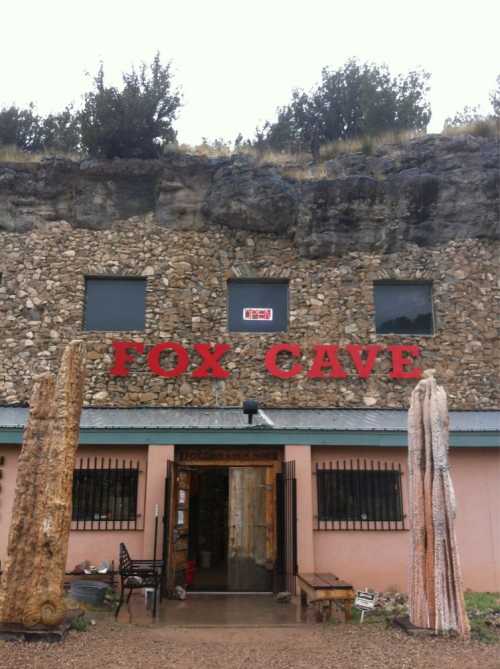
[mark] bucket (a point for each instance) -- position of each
(149, 595)
(206, 558)
(90, 592)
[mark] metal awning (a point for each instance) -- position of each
(149, 425)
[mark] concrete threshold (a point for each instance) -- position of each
(225, 593)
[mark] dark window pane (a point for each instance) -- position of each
(258, 306)
(105, 494)
(115, 304)
(359, 495)
(404, 308)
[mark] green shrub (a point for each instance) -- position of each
(80, 623)
(133, 122)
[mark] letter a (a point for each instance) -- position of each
(326, 358)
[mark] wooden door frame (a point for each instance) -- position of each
(238, 456)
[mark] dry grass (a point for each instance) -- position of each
(295, 165)
(367, 144)
(11, 154)
(489, 127)
(300, 165)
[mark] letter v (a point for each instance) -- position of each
(364, 367)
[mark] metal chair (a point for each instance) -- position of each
(135, 574)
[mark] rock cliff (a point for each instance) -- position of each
(428, 191)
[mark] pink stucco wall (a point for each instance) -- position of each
(83, 545)
(8, 484)
(379, 559)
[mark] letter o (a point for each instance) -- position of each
(154, 356)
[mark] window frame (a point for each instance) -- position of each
(406, 282)
(363, 498)
(255, 281)
(89, 500)
(131, 278)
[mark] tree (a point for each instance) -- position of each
(28, 131)
(495, 98)
(132, 122)
(466, 117)
(61, 132)
(357, 100)
(20, 128)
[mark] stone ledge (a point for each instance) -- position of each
(404, 623)
(15, 632)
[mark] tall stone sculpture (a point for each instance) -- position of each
(31, 591)
(436, 597)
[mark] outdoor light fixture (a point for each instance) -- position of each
(250, 408)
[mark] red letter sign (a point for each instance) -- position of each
(210, 365)
(272, 354)
(364, 367)
(400, 362)
(326, 358)
(122, 357)
(154, 359)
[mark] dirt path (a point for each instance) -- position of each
(110, 645)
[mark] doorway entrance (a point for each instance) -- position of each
(208, 528)
(223, 521)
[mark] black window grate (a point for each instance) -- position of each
(105, 495)
(359, 495)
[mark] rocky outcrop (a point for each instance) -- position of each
(428, 192)
(32, 591)
(246, 197)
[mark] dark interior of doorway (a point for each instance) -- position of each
(208, 528)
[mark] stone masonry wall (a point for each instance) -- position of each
(331, 301)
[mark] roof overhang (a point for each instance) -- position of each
(224, 426)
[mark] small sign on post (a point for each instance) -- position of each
(365, 601)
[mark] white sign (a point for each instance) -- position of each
(257, 314)
(365, 600)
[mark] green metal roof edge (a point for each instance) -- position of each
(256, 436)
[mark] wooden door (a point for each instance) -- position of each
(178, 527)
(249, 567)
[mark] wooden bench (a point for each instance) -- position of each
(319, 589)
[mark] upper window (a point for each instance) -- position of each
(258, 306)
(115, 304)
(403, 308)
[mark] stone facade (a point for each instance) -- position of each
(331, 301)
(429, 209)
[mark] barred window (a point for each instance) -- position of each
(105, 497)
(357, 498)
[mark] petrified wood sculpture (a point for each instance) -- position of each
(436, 597)
(31, 591)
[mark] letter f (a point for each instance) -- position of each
(122, 357)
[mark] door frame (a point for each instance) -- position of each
(270, 457)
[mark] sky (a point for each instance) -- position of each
(237, 61)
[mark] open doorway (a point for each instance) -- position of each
(208, 528)
(224, 520)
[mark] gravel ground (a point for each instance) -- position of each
(110, 645)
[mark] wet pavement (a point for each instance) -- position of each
(217, 611)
